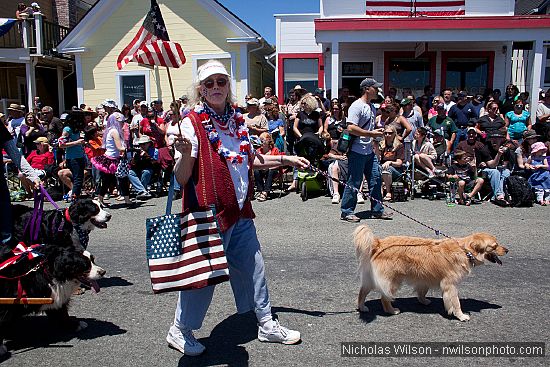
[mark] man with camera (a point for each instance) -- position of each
(144, 163)
(494, 160)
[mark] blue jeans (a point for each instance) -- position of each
(96, 175)
(359, 165)
(496, 177)
(77, 165)
(247, 278)
(461, 134)
(140, 183)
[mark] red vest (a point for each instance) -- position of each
(213, 183)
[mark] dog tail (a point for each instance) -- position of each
(363, 239)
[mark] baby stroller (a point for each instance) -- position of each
(310, 181)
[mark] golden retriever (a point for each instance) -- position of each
(423, 263)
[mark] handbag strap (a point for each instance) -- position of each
(170, 195)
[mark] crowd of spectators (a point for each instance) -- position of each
(473, 140)
(494, 136)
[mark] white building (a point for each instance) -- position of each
(479, 44)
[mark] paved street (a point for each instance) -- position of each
(311, 272)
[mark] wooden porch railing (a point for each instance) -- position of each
(49, 35)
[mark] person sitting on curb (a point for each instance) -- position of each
(464, 172)
(424, 152)
(143, 165)
(264, 177)
(504, 163)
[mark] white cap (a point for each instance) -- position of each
(210, 68)
(35, 5)
(109, 103)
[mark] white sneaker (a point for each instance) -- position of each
(360, 198)
(184, 341)
(278, 334)
(336, 198)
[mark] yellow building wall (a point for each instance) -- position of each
(188, 23)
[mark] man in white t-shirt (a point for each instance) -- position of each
(448, 100)
(16, 119)
(362, 161)
(543, 115)
(268, 93)
(134, 125)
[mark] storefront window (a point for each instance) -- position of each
(353, 74)
(303, 72)
(132, 85)
(409, 75)
(468, 74)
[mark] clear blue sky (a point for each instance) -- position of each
(259, 14)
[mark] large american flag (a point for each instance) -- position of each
(415, 8)
(151, 45)
(185, 251)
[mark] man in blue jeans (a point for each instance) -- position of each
(361, 158)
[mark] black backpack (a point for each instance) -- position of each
(518, 192)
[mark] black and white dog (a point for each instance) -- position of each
(63, 227)
(60, 272)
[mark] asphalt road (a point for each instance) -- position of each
(311, 271)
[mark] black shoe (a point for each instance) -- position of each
(383, 215)
(131, 205)
(352, 218)
(500, 202)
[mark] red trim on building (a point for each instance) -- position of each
(281, 65)
(388, 55)
(374, 24)
(445, 55)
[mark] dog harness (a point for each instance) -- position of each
(20, 252)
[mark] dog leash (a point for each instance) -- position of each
(325, 174)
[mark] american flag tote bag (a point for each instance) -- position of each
(185, 250)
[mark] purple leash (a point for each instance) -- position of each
(33, 225)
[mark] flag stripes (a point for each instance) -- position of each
(185, 251)
(423, 7)
(151, 45)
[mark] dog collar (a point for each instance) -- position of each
(67, 216)
(83, 236)
(471, 258)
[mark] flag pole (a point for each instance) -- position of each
(171, 85)
(173, 96)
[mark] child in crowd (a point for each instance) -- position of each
(464, 172)
(276, 128)
(93, 148)
(540, 179)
